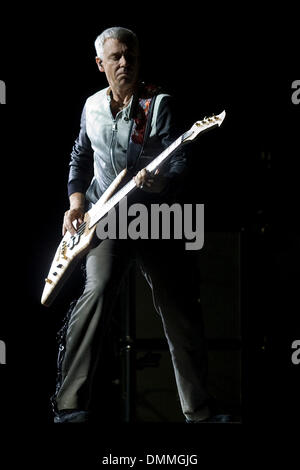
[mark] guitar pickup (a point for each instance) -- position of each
(73, 241)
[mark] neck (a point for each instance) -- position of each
(122, 96)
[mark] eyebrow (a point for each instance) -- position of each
(127, 52)
(114, 54)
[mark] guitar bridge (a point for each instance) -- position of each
(74, 240)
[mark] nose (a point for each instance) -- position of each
(123, 61)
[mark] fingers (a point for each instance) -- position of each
(67, 224)
(69, 217)
(150, 182)
(144, 179)
(140, 178)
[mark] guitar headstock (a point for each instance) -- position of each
(204, 125)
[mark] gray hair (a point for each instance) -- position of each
(117, 32)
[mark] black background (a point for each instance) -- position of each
(211, 61)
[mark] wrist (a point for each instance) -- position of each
(77, 201)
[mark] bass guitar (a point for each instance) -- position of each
(73, 247)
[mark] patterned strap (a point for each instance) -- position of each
(141, 121)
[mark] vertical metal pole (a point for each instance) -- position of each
(128, 353)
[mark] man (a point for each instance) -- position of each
(125, 126)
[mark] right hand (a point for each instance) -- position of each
(75, 214)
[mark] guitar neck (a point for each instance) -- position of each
(99, 210)
(165, 154)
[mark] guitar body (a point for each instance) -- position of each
(69, 252)
(73, 248)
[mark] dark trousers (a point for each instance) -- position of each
(168, 271)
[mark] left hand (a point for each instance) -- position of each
(149, 182)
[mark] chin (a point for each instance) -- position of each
(126, 81)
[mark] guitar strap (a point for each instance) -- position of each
(141, 121)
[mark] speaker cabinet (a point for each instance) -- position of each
(219, 269)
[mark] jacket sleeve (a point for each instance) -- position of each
(168, 129)
(82, 161)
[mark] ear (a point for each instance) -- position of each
(99, 63)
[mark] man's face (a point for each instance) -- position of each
(120, 63)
